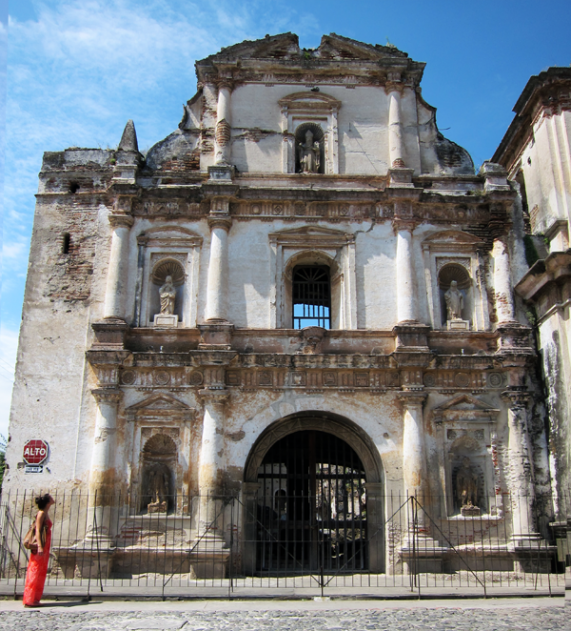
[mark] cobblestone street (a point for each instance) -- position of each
(520, 615)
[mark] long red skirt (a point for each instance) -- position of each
(37, 571)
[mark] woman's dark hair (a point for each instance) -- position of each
(43, 500)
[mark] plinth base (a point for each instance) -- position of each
(164, 321)
(458, 325)
(470, 511)
(422, 554)
(209, 558)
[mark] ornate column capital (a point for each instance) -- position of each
(400, 224)
(215, 394)
(225, 82)
(411, 398)
(120, 220)
(394, 84)
(107, 395)
(223, 221)
(517, 399)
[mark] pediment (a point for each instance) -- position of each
(311, 234)
(339, 47)
(464, 402)
(282, 46)
(309, 101)
(452, 237)
(169, 234)
(465, 407)
(159, 401)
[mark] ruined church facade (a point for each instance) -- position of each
(304, 291)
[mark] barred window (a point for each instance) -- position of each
(311, 295)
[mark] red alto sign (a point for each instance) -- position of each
(36, 451)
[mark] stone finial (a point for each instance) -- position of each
(129, 138)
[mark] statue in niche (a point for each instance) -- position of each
(466, 486)
(167, 294)
(454, 302)
(158, 489)
(309, 154)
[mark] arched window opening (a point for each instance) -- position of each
(311, 296)
(312, 506)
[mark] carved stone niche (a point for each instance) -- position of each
(158, 465)
(465, 430)
(313, 111)
(454, 256)
(167, 251)
(167, 292)
(161, 447)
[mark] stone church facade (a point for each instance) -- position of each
(306, 273)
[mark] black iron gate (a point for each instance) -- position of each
(312, 511)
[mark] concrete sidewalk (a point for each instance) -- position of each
(318, 604)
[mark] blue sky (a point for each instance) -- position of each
(77, 70)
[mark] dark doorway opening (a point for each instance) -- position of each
(312, 510)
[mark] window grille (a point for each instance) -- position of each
(311, 296)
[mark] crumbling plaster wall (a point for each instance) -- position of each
(257, 137)
(63, 293)
(554, 340)
(545, 162)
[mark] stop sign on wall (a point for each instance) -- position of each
(35, 451)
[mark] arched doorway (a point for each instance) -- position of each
(313, 493)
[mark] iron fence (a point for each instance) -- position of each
(335, 538)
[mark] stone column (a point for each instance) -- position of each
(414, 460)
(211, 555)
(212, 457)
(405, 290)
(420, 552)
(223, 147)
(117, 273)
(103, 475)
(520, 467)
(375, 525)
(250, 492)
(396, 145)
(502, 283)
(217, 283)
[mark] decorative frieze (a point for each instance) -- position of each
(169, 209)
(292, 210)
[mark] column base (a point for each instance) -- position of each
(411, 336)
(109, 333)
(215, 335)
(422, 554)
(221, 171)
(531, 553)
(400, 177)
(209, 558)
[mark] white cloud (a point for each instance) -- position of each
(79, 70)
(8, 350)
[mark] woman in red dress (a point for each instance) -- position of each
(38, 563)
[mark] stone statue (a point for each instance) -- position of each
(158, 489)
(454, 302)
(309, 154)
(168, 296)
(466, 485)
